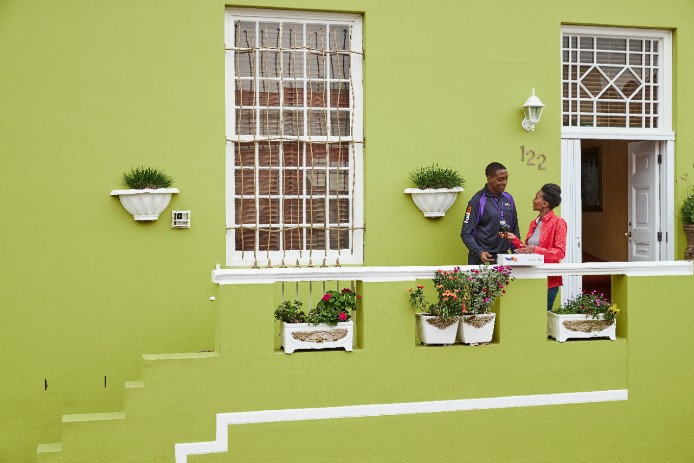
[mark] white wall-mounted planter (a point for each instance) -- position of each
(306, 336)
(432, 331)
(477, 329)
(562, 327)
(434, 203)
(145, 204)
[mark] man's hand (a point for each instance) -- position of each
(486, 257)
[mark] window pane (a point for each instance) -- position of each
(339, 240)
(340, 123)
(293, 239)
(294, 93)
(339, 211)
(315, 238)
(268, 93)
(269, 122)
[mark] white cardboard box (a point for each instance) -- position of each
(520, 259)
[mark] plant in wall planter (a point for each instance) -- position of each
(480, 289)
(437, 189)
(688, 224)
(588, 315)
(148, 192)
(327, 326)
(463, 307)
(437, 324)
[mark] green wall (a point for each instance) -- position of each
(88, 89)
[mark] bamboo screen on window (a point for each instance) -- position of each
(294, 143)
(611, 81)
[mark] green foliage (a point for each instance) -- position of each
(434, 176)
(593, 304)
(463, 293)
(688, 210)
(290, 312)
(334, 307)
(140, 178)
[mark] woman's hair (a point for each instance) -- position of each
(552, 194)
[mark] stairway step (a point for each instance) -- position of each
(49, 453)
(180, 356)
(86, 417)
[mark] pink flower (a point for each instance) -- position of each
(327, 297)
(342, 316)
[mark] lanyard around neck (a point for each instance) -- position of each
(496, 205)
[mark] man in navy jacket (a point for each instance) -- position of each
(490, 211)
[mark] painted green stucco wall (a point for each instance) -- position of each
(88, 89)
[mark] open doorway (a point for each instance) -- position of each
(604, 211)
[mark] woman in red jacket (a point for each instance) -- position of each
(546, 236)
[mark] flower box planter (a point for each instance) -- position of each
(477, 329)
(313, 337)
(146, 204)
(434, 331)
(576, 326)
(434, 202)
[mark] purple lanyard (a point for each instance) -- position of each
(500, 209)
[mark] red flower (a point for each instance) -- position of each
(327, 297)
(346, 290)
(342, 316)
(358, 297)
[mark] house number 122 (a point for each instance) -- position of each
(532, 157)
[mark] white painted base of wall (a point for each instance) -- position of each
(224, 420)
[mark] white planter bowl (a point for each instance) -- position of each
(431, 334)
(145, 204)
(434, 203)
(477, 329)
(562, 327)
(306, 336)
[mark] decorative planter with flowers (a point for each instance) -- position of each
(437, 189)
(588, 315)
(462, 309)
(480, 288)
(148, 193)
(327, 326)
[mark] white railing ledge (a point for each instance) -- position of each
(237, 276)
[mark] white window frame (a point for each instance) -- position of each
(664, 129)
(317, 257)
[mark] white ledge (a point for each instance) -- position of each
(384, 274)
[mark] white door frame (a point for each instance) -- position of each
(571, 192)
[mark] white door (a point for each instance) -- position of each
(643, 226)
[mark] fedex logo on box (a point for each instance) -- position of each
(520, 259)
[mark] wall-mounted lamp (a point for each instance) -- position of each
(532, 109)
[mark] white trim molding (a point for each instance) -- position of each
(238, 276)
(224, 420)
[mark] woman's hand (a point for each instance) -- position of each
(526, 250)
